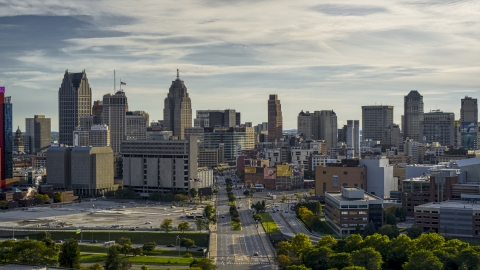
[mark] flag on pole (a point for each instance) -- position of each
(123, 83)
(78, 231)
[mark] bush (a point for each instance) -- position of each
(236, 219)
(187, 255)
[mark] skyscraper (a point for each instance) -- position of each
(7, 148)
(353, 136)
(39, 130)
(113, 115)
(325, 127)
(74, 101)
(2, 136)
(375, 119)
(469, 122)
(304, 124)
(177, 112)
(412, 115)
(275, 120)
(438, 126)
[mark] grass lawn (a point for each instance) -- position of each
(268, 224)
(156, 252)
(149, 260)
(161, 238)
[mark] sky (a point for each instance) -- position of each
(315, 55)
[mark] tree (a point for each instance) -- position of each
(389, 230)
(468, 259)
(209, 210)
(390, 219)
(339, 260)
(298, 267)
(41, 198)
(257, 217)
(69, 256)
(57, 197)
(125, 245)
(301, 243)
(193, 193)
(423, 260)
(167, 224)
(311, 192)
(126, 265)
(113, 261)
(369, 229)
(144, 267)
(33, 252)
(3, 204)
(283, 261)
(6, 250)
(137, 251)
(327, 241)
(200, 223)
(246, 193)
(184, 226)
(284, 198)
(353, 242)
(429, 241)
(204, 264)
(316, 258)
(304, 213)
(400, 248)
(414, 232)
(180, 197)
(96, 266)
(187, 243)
(43, 235)
(149, 246)
(354, 268)
(368, 258)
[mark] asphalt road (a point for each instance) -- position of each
(236, 249)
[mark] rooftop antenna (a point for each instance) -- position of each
(178, 74)
(114, 82)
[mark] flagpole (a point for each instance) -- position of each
(114, 82)
(120, 84)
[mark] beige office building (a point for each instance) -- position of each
(99, 135)
(114, 109)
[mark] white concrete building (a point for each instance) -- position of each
(380, 180)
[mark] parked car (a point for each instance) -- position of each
(132, 229)
(171, 245)
(255, 253)
(148, 222)
(200, 249)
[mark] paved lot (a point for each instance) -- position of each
(97, 214)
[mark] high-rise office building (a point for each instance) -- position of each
(353, 137)
(438, 126)
(177, 113)
(275, 120)
(39, 130)
(113, 115)
(97, 108)
(325, 127)
(7, 150)
(469, 123)
(74, 101)
(216, 118)
(99, 136)
(2, 136)
(375, 119)
(232, 138)
(137, 123)
(412, 115)
(304, 125)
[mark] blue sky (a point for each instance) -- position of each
(316, 55)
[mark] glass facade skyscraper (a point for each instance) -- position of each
(8, 138)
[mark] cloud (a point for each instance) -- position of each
(349, 10)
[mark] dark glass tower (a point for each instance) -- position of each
(7, 170)
(177, 113)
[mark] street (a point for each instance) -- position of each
(237, 249)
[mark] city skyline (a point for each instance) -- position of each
(313, 56)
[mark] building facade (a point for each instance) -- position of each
(39, 130)
(58, 164)
(412, 115)
(275, 120)
(375, 119)
(305, 125)
(157, 166)
(469, 123)
(234, 139)
(177, 113)
(18, 146)
(325, 128)
(74, 101)
(7, 150)
(99, 135)
(438, 126)
(217, 118)
(136, 127)
(352, 137)
(332, 178)
(114, 108)
(349, 208)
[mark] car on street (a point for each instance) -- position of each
(223, 216)
(194, 246)
(255, 253)
(132, 229)
(171, 245)
(148, 222)
(200, 249)
(94, 241)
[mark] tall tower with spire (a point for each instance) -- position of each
(74, 101)
(177, 112)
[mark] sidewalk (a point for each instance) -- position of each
(266, 244)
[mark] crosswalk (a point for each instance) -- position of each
(241, 262)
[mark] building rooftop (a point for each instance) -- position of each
(451, 204)
(339, 196)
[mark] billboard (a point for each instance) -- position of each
(269, 173)
(2, 89)
(250, 170)
(284, 170)
(469, 134)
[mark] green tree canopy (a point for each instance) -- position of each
(391, 231)
(96, 266)
(125, 245)
(193, 192)
(429, 241)
(187, 243)
(327, 241)
(301, 243)
(166, 225)
(423, 260)
(33, 252)
(316, 258)
(339, 260)
(298, 267)
(184, 226)
(149, 246)
(368, 258)
(204, 264)
(353, 242)
(200, 223)
(414, 232)
(69, 256)
(113, 261)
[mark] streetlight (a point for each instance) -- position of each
(178, 239)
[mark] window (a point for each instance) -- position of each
(345, 172)
(324, 172)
